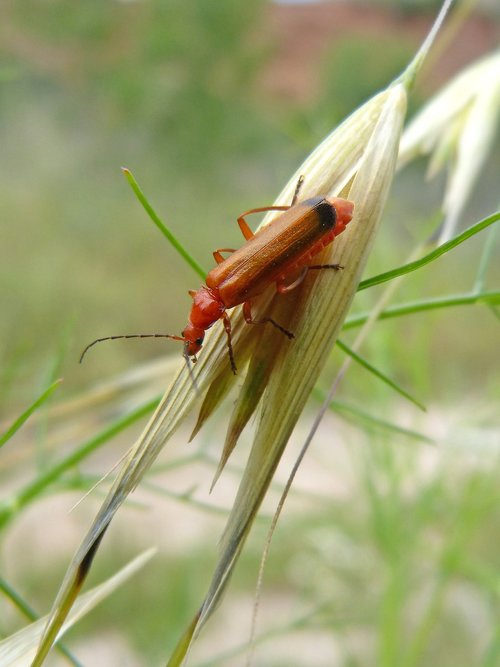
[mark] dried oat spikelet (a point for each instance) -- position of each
(357, 162)
(457, 129)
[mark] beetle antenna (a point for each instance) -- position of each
(153, 335)
(298, 188)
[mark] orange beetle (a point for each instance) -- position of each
(274, 254)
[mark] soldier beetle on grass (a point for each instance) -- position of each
(278, 253)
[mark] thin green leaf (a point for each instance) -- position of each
(356, 416)
(488, 298)
(28, 412)
(31, 615)
(441, 250)
(38, 486)
(485, 259)
(360, 360)
(20, 648)
(161, 226)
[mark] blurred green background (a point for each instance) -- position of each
(212, 105)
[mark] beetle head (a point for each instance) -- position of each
(193, 337)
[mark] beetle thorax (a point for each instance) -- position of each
(207, 308)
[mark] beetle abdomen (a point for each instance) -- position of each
(275, 250)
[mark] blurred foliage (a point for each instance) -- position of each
(180, 73)
(170, 89)
(344, 89)
(176, 91)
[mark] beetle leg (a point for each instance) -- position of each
(245, 229)
(247, 314)
(283, 288)
(217, 254)
(325, 266)
(227, 326)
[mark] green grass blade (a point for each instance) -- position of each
(28, 412)
(48, 477)
(488, 298)
(485, 259)
(19, 648)
(360, 360)
(161, 226)
(21, 604)
(358, 417)
(18, 601)
(441, 250)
